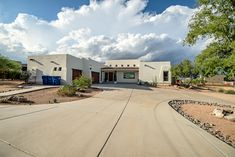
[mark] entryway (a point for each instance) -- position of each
(110, 76)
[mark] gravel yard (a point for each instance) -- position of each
(47, 96)
(8, 85)
(203, 113)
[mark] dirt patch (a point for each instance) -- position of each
(222, 96)
(216, 88)
(203, 113)
(46, 96)
(8, 85)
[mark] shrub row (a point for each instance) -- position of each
(79, 84)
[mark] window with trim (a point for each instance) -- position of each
(165, 75)
(55, 69)
(60, 68)
(129, 75)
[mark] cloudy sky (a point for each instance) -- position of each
(107, 29)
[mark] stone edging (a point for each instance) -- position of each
(176, 105)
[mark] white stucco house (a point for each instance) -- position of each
(69, 68)
(135, 71)
(66, 66)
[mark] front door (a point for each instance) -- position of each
(110, 76)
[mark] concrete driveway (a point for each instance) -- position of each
(122, 121)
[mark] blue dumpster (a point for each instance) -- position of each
(44, 80)
(56, 80)
(49, 80)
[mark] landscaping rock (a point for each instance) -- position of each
(4, 100)
(22, 99)
(218, 113)
(17, 98)
(227, 113)
(230, 117)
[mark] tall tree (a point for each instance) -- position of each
(215, 20)
(7, 65)
(185, 69)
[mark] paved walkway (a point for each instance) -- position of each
(25, 90)
(119, 122)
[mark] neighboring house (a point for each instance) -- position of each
(66, 66)
(217, 79)
(134, 71)
(113, 71)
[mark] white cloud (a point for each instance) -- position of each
(102, 30)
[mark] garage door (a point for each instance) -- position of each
(76, 73)
(95, 77)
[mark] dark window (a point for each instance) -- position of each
(55, 68)
(116, 65)
(60, 68)
(128, 65)
(165, 76)
(122, 65)
(110, 65)
(129, 75)
(134, 65)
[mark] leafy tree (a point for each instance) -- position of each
(9, 67)
(184, 70)
(215, 20)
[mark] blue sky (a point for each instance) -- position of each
(48, 9)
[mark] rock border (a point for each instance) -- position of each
(176, 105)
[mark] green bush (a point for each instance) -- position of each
(221, 90)
(67, 90)
(82, 83)
(229, 92)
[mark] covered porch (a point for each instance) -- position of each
(120, 74)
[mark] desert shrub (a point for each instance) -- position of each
(221, 90)
(67, 90)
(229, 92)
(25, 75)
(82, 83)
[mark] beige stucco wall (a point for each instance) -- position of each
(44, 65)
(121, 79)
(153, 71)
(91, 65)
(148, 71)
(73, 63)
(119, 63)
